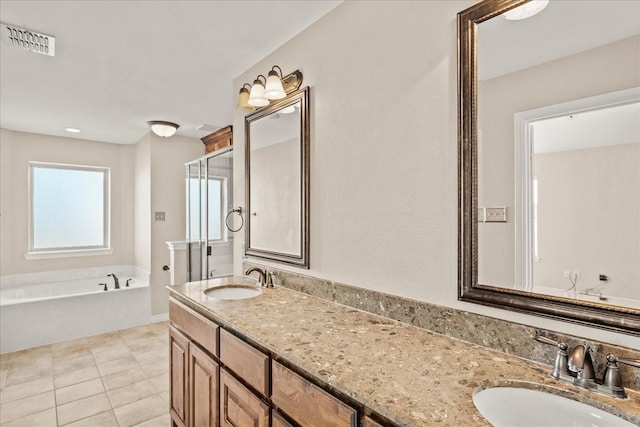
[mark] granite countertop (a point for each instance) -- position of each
(409, 375)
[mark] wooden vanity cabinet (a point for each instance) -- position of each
(179, 377)
(306, 403)
(239, 406)
(203, 389)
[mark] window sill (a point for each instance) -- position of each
(68, 254)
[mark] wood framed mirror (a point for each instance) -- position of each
(277, 180)
(495, 267)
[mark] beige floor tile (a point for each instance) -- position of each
(132, 392)
(147, 344)
(123, 378)
(152, 356)
(155, 368)
(71, 353)
(26, 389)
(46, 418)
(82, 408)
(119, 351)
(79, 391)
(73, 377)
(118, 365)
(28, 373)
(142, 410)
(104, 419)
(27, 406)
(31, 358)
(138, 332)
(162, 381)
(161, 421)
(73, 364)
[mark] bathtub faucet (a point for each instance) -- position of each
(115, 279)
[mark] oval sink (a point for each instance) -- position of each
(512, 406)
(229, 292)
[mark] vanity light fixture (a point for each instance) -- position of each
(162, 128)
(526, 10)
(266, 89)
(274, 89)
(256, 96)
(243, 98)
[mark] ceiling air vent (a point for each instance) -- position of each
(28, 40)
(208, 128)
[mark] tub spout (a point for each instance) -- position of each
(115, 280)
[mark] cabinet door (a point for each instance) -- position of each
(179, 362)
(240, 407)
(277, 420)
(203, 389)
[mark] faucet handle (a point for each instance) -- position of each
(560, 365)
(612, 379)
(544, 340)
(631, 362)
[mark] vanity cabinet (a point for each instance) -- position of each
(306, 403)
(239, 406)
(218, 379)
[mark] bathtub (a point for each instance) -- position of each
(35, 311)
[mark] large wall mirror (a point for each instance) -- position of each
(277, 180)
(549, 159)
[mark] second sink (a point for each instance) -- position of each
(512, 406)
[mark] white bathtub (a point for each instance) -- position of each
(34, 314)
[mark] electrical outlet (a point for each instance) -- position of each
(159, 216)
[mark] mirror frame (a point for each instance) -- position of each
(301, 96)
(619, 319)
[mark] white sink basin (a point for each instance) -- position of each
(512, 406)
(230, 292)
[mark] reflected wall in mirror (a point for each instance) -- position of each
(277, 177)
(549, 129)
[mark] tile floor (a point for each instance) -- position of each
(115, 379)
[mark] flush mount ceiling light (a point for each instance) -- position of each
(72, 130)
(527, 10)
(163, 129)
(264, 90)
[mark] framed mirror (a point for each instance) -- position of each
(549, 160)
(277, 180)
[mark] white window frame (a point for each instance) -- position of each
(65, 252)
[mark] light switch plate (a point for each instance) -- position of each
(159, 216)
(496, 214)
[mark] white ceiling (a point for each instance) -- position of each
(563, 28)
(119, 64)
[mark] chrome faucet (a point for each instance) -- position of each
(577, 368)
(265, 278)
(115, 279)
(581, 364)
(262, 275)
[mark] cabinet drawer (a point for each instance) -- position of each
(250, 364)
(239, 406)
(201, 330)
(305, 402)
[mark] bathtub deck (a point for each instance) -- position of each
(114, 379)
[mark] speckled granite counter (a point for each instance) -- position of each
(409, 375)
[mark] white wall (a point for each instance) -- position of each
(589, 218)
(384, 151)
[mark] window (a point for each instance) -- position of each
(69, 210)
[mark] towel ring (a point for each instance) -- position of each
(238, 210)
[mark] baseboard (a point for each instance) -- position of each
(160, 318)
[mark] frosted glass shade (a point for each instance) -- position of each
(256, 97)
(163, 129)
(243, 98)
(527, 10)
(273, 88)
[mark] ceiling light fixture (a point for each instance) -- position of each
(72, 130)
(163, 129)
(526, 10)
(264, 90)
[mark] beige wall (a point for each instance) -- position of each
(589, 218)
(384, 151)
(18, 149)
(168, 194)
(145, 177)
(598, 71)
